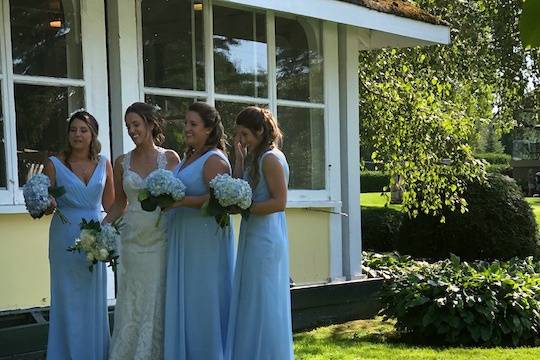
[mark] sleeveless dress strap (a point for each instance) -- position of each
(126, 162)
(161, 159)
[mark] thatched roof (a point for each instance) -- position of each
(401, 8)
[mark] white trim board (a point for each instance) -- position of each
(355, 15)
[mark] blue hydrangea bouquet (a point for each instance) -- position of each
(161, 189)
(227, 194)
(37, 194)
(99, 242)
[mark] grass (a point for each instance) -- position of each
(376, 200)
(535, 204)
(376, 339)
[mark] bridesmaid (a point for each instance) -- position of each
(78, 321)
(200, 260)
(260, 315)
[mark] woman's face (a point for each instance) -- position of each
(195, 131)
(247, 137)
(138, 129)
(79, 135)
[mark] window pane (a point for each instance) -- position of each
(174, 110)
(46, 38)
(240, 52)
(41, 117)
(299, 59)
(3, 163)
(303, 144)
(173, 50)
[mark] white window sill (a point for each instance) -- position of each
(13, 209)
(297, 204)
(292, 204)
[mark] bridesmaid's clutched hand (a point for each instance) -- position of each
(51, 207)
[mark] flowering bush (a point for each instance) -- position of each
(457, 302)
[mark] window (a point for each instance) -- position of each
(299, 78)
(172, 36)
(240, 52)
(42, 81)
(173, 61)
(237, 57)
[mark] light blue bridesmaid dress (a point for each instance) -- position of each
(199, 275)
(78, 322)
(260, 316)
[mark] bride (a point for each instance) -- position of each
(138, 317)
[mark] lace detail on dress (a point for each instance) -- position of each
(162, 159)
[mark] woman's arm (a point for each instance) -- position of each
(212, 167)
(277, 187)
(120, 200)
(108, 192)
(239, 158)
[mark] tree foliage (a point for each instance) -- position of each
(422, 108)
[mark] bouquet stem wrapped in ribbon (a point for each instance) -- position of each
(161, 189)
(99, 242)
(227, 195)
(37, 194)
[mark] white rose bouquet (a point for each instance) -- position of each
(226, 194)
(161, 189)
(99, 242)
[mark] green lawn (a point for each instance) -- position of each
(535, 204)
(376, 200)
(376, 339)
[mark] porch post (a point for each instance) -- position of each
(123, 68)
(350, 152)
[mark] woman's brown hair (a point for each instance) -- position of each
(212, 120)
(91, 122)
(260, 120)
(152, 116)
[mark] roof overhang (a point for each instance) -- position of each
(384, 29)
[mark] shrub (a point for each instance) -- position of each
(373, 181)
(504, 169)
(495, 158)
(499, 225)
(460, 303)
(380, 228)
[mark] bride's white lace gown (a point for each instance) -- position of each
(138, 317)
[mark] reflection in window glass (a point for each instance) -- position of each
(46, 38)
(173, 50)
(303, 144)
(174, 110)
(3, 163)
(240, 52)
(299, 60)
(41, 117)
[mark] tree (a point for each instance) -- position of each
(421, 107)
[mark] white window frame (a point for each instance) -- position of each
(94, 85)
(330, 197)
